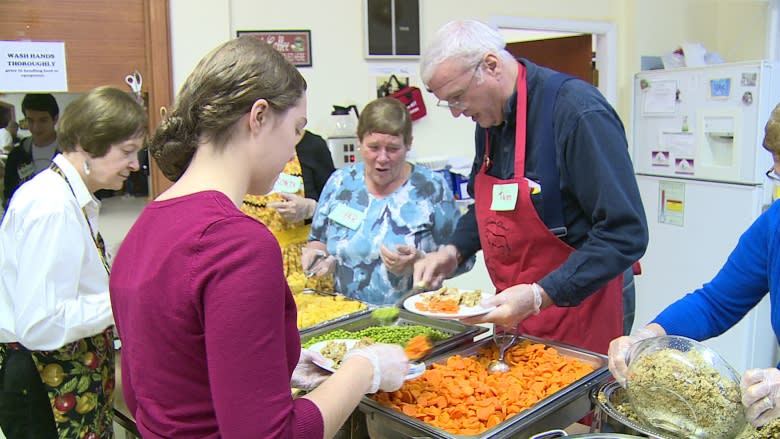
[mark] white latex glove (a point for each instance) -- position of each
(308, 375)
(401, 260)
(294, 208)
(513, 305)
(761, 395)
(431, 270)
(323, 267)
(619, 349)
(390, 365)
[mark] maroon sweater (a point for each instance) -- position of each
(208, 325)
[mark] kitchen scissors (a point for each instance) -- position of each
(135, 81)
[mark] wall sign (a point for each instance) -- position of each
(671, 203)
(295, 45)
(28, 66)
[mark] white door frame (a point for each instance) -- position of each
(773, 31)
(606, 43)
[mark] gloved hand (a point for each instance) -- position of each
(308, 375)
(761, 395)
(513, 305)
(294, 208)
(324, 266)
(390, 365)
(433, 268)
(619, 349)
(399, 261)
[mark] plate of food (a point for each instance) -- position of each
(333, 352)
(448, 303)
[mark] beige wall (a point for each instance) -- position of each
(340, 74)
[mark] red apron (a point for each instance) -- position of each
(519, 249)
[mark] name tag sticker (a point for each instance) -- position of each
(504, 197)
(288, 183)
(347, 216)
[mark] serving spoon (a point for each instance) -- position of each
(503, 341)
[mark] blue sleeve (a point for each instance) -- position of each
(446, 216)
(738, 287)
(319, 222)
(597, 175)
(466, 236)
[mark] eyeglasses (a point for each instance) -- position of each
(456, 102)
(773, 175)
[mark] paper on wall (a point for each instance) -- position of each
(660, 98)
(680, 144)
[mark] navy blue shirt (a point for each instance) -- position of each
(602, 208)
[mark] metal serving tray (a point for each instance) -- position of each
(459, 334)
(327, 323)
(556, 411)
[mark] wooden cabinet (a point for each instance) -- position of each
(104, 41)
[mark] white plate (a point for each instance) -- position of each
(415, 369)
(463, 311)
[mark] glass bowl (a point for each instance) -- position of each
(683, 387)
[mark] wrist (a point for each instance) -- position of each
(311, 206)
(454, 253)
(651, 330)
(376, 373)
(537, 292)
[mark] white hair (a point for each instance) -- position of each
(468, 40)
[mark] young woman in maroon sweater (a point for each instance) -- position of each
(207, 321)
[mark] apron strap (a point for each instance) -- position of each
(100, 245)
(548, 170)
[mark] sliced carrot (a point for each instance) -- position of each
(436, 305)
(417, 347)
(460, 397)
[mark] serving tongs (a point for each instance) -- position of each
(320, 292)
(318, 256)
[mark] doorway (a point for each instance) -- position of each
(605, 35)
(572, 55)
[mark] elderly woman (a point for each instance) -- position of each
(376, 218)
(751, 272)
(56, 338)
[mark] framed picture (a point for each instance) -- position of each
(720, 88)
(295, 45)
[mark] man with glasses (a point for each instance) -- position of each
(557, 210)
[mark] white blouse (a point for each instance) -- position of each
(54, 287)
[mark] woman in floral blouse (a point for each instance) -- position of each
(376, 218)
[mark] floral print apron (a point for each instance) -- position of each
(79, 377)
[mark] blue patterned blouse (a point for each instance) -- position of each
(421, 213)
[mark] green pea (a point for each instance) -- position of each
(382, 334)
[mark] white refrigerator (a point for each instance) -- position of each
(700, 167)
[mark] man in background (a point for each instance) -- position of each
(35, 152)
